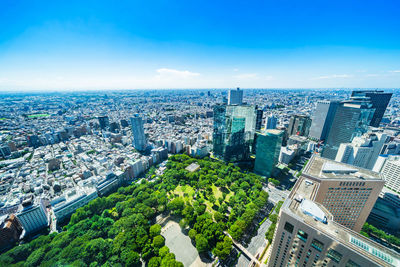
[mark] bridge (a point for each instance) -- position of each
(250, 256)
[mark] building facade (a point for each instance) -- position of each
(33, 217)
(379, 100)
(306, 235)
(268, 147)
(347, 192)
(271, 123)
(299, 125)
(363, 151)
(235, 97)
(351, 119)
(391, 173)
(233, 132)
(104, 122)
(139, 138)
(322, 119)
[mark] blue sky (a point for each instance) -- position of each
(64, 45)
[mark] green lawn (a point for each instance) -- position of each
(181, 190)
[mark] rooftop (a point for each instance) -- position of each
(323, 168)
(193, 167)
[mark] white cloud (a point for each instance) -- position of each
(334, 76)
(246, 76)
(395, 71)
(164, 72)
(269, 77)
(235, 69)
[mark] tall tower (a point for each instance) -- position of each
(139, 138)
(299, 125)
(104, 122)
(322, 119)
(271, 122)
(233, 133)
(379, 101)
(268, 147)
(351, 119)
(315, 222)
(235, 97)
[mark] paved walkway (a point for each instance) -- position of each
(181, 245)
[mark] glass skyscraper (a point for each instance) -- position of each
(267, 152)
(233, 134)
(139, 138)
(379, 101)
(299, 125)
(351, 119)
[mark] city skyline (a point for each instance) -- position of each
(97, 45)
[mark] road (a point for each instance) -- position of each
(275, 194)
(256, 243)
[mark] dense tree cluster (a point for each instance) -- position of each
(370, 230)
(273, 217)
(109, 231)
(117, 230)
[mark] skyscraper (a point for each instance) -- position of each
(235, 97)
(379, 101)
(307, 235)
(139, 138)
(259, 119)
(351, 119)
(299, 125)
(322, 119)
(268, 147)
(271, 122)
(233, 133)
(346, 191)
(104, 122)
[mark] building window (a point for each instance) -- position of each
(303, 236)
(351, 263)
(317, 245)
(334, 255)
(288, 227)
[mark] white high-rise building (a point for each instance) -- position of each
(33, 217)
(391, 172)
(363, 151)
(235, 97)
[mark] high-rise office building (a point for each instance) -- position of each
(299, 125)
(104, 122)
(233, 133)
(235, 97)
(391, 172)
(351, 119)
(322, 119)
(259, 119)
(271, 122)
(363, 151)
(268, 147)
(307, 235)
(139, 138)
(347, 192)
(379, 100)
